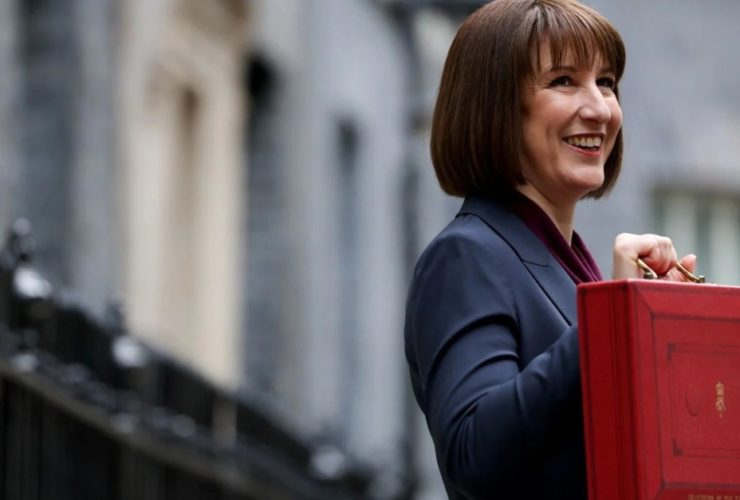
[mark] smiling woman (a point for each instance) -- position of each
(571, 119)
(527, 123)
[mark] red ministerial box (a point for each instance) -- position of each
(660, 372)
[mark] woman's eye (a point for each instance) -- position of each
(562, 81)
(607, 82)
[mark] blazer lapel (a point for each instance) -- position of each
(544, 268)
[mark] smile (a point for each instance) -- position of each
(585, 142)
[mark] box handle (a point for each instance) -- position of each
(649, 274)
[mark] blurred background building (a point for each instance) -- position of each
(250, 180)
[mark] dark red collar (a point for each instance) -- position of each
(575, 258)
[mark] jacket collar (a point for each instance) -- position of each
(544, 268)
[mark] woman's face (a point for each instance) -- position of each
(570, 117)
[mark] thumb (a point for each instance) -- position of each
(689, 262)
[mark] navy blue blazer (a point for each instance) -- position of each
(492, 346)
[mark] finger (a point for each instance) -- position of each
(661, 256)
(675, 275)
(628, 247)
(631, 246)
(625, 252)
(687, 261)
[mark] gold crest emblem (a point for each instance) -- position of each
(720, 403)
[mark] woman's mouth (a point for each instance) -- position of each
(590, 143)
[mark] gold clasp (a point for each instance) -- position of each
(649, 274)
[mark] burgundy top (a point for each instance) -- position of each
(575, 258)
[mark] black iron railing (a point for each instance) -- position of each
(88, 412)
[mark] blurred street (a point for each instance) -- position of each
(211, 209)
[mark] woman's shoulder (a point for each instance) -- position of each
(487, 225)
(466, 242)
(465, 233)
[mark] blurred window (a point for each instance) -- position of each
(705, 223)
(347, 148)
(265, 239)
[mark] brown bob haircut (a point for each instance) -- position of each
(476, 129)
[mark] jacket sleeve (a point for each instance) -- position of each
(489, 416)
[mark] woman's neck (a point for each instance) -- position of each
(562, 215)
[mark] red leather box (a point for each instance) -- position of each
(660, 371)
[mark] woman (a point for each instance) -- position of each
(527, 123)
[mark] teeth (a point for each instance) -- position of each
(584, 142)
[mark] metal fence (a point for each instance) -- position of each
(88, 412)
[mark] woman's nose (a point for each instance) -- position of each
(594, 106)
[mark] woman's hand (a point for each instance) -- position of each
(656, 251)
